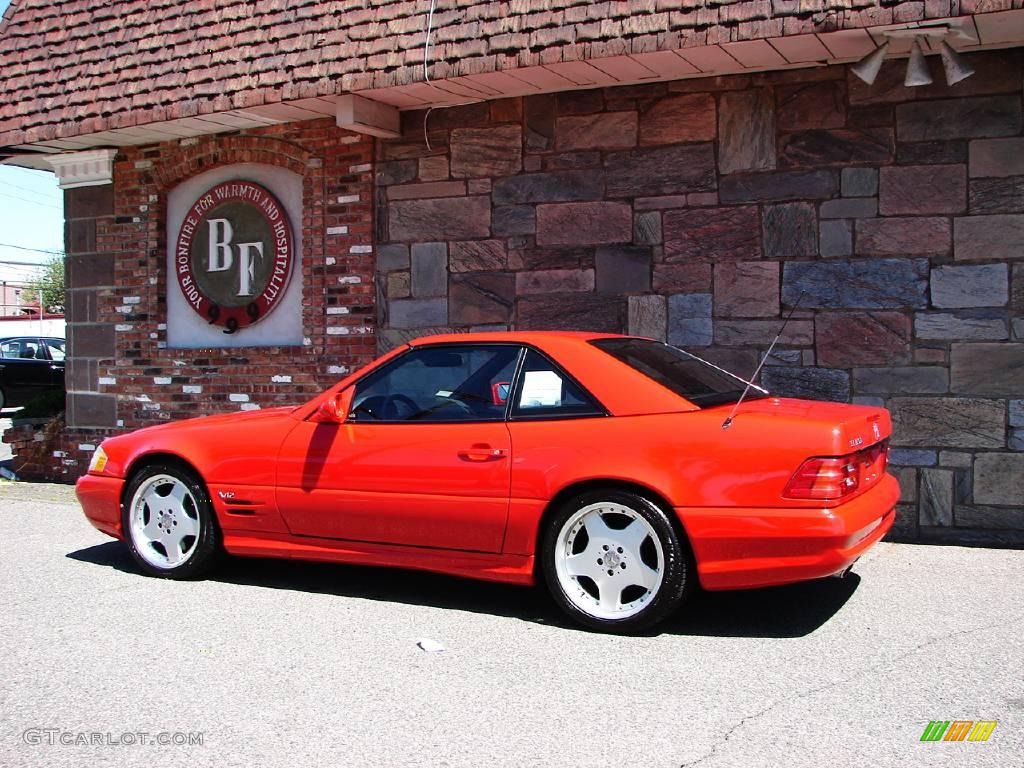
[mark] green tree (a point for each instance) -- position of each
(49, 285)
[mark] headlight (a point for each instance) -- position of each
(99, 460)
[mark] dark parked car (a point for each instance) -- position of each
(29, 366)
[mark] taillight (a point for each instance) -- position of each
(831, 478)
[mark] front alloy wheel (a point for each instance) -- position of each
(169, 523)
(614, 562)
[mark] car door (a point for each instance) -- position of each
(25, 372)
(423, 459)
(55, 353)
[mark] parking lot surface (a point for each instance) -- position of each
(273, 663)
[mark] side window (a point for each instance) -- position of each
(10, 349)
(443, 383)
(56, 347)
(545, 391)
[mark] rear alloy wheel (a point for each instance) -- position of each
(169, 523)
(614, 562)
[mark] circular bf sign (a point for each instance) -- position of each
(234, 255)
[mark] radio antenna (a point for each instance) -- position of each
(728, 422)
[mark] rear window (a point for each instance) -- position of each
(699, 382)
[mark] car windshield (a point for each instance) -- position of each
(700, 382)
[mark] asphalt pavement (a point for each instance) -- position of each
(273, 663)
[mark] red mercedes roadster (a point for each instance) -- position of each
(606, 467)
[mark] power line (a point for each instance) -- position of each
(35, 192)
(32, 202)
(34, 250)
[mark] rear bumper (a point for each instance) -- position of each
(737, 548)
(100, 497)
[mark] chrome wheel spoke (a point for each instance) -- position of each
(645, 576)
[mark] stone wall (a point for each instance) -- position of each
(120, 373)
(701, 211)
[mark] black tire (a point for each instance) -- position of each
(198, 553)
(674, 561)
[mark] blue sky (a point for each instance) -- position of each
(31, 216)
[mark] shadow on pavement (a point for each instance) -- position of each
(791, 611)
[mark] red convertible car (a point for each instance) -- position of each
(601, 465)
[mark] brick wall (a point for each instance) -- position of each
(120, 373)
(701, 210)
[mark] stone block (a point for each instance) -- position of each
(809, 383)
(89, 202)
(912, 457)
(429, 189)
(992, 518)
(550, 258)
(1017, 413)
(82, 306)
(746, 131)
(675, 119)
(668, 170)
(607, 130)
(850, 208)
(790, 229)
(911, 380)
(971, 118)
(539, 121)
(510, 220)
(693, 276)
(960, 326)
(554, 281)
(689, 320)
(948, 422)
(746, 289)
(477, 256)
(922, 189)
(997, 157)
(931, 152)
(89, 271)
(859, 182)
(594, 223)
(835, 238)
(399, 285)
(907, 477)
(840, 146)
(447, 218)
(80, 236)
(957, 459)
(811, 105)
(623, 269)
(479, 298)
(647, 228)
(392, 256)
(549, 187)
(648, 316)
(572, 161)
(779, 185)
(397, 172)
(417, 313)
(572, 311)
(936, 497)
(957, 287)
(989, 370)
(997, 236)
(875, 284)
(712, 233)
(1015, 441)
(434, 168)
(429, 269)
(91, 410)
(906, 236)
(999, 479)
(998, 195)
(91, 340)
(848, 339)
(733, 333)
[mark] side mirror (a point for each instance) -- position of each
(334, 409)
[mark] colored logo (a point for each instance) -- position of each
(234, 255)
(958, 730)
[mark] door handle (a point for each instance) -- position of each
(56, 368)
(482, 452)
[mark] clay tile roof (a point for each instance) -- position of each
(73, 67)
